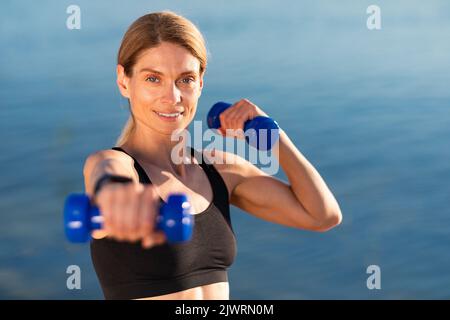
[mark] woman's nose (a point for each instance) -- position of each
(171, 94)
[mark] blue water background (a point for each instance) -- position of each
(369, 109)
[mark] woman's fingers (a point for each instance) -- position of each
(148, 212)
(130, 212)
(130, 220)
(154, 239)
(232, 120)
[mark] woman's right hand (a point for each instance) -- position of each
(129, 213)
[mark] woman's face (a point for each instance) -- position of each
(164, 87)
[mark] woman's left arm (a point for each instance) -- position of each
(305, 203)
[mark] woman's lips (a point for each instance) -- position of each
(169, 117)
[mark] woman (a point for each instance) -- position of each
(161, 64)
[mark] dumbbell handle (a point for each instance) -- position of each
(95, 220)
(81, 218)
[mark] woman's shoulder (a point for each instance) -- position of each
(108, 154)
(223, 161)
(230, 166)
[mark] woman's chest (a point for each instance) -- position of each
(195, 185)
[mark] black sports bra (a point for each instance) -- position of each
(128, 271)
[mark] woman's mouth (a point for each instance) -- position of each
(170, 117)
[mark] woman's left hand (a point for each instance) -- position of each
(233, 118)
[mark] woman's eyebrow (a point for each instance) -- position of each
(160, 73)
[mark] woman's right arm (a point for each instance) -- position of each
(129, 210)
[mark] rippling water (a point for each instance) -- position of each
(370, 109)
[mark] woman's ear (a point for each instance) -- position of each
(122, 81)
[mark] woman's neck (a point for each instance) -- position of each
(149, 146)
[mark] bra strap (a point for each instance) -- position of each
(143, 177)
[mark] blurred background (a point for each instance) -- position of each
(368, 108)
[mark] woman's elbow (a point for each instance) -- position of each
(332, 220)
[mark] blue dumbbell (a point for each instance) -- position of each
(261, 140)
(81, 218)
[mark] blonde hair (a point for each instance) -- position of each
(150, 31)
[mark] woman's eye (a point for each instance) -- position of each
(188, 80)
(151, 79)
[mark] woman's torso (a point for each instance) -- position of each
(197, 185)
(200, 195)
